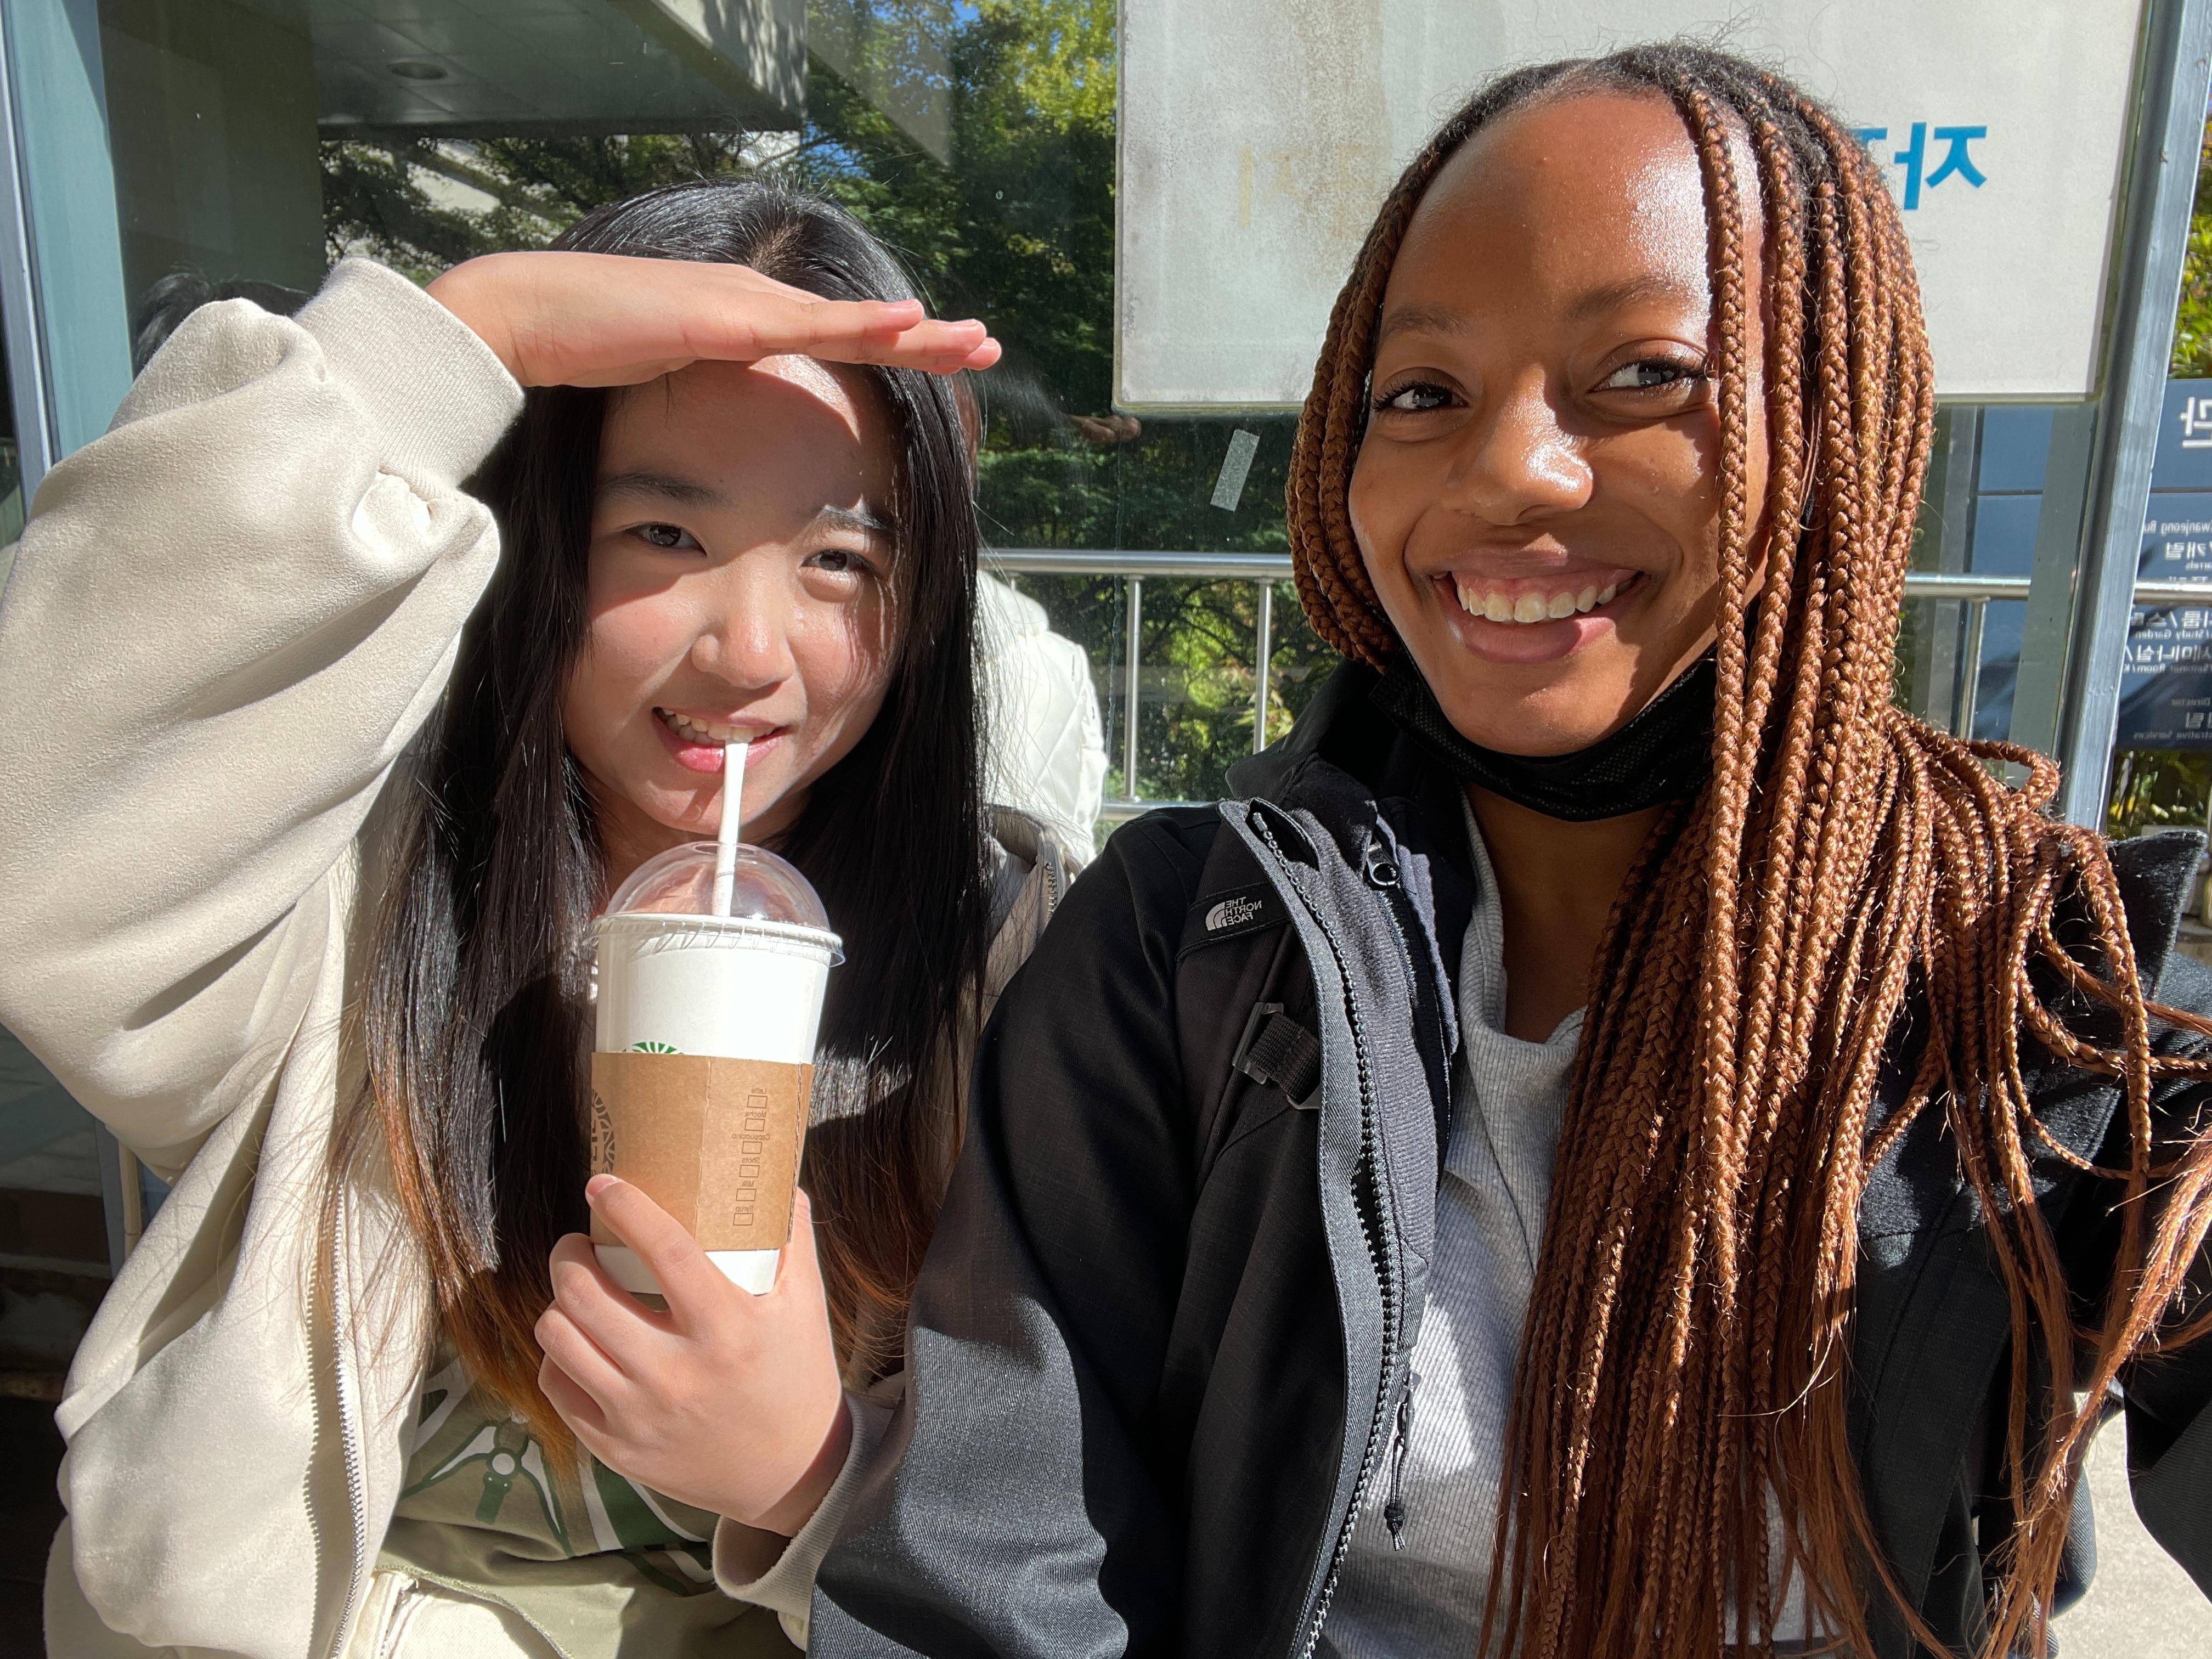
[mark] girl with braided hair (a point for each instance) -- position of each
(1620, 1141)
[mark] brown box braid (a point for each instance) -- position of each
(1687, 1334)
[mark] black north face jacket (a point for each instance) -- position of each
(1159, 1348)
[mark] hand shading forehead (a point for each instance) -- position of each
(1575, 204)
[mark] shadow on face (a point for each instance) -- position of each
(1537, 495)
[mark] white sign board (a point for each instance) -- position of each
(1259, 136)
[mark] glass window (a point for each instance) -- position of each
(11, 473)
(53, 1228)
(1957, 659)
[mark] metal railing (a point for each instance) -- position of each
(1264, 570)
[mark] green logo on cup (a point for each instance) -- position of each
(652, 1049)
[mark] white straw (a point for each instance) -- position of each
(725, 838)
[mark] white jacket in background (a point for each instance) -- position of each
(1044, 751)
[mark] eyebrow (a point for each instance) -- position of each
(668, 486)
(1592, 302)
(1632, 290)
(690, 492)
(1425, 320)
(863, 520)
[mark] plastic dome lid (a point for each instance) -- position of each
(681, 882)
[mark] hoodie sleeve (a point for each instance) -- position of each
(777, 1573)
(227, 619)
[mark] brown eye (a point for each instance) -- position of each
(840, 562)
(1413, 399)
(1650, 374)
(668, 536)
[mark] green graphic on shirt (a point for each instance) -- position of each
(477, 1465)
(600, 1567)
(492, 1459)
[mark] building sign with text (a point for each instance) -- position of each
(1257, 138)
(2166, 688)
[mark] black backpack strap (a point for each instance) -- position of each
(1244, 1011)
(1276, 1049)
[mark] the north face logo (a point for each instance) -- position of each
(1231, 913)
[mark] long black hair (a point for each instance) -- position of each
(476, 1015)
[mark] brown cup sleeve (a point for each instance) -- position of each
(714, 1141)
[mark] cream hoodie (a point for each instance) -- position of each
(227, 619)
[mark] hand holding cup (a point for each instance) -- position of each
(727, 1402)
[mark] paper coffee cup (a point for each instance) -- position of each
(705, 1040)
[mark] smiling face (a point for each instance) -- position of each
(1536, 497)
(742, 563)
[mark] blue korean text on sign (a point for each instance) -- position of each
(1956, 160)
(2165, 686)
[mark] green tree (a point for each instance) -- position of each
(395, 201)
(2192, 322)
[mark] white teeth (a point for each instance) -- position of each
(702, 731)
(1523, 608)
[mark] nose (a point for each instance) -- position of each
(1516, 462)
(745, 626)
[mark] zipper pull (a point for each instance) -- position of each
(1379, 867)
(1394, 1510)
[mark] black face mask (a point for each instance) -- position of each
(1663, 754)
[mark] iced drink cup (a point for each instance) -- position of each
(705, 1048)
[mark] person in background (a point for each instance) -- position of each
(376, 646)
(1620, 1141)
(156, 314)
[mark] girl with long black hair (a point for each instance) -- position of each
(1621, 1142)
(367, 674)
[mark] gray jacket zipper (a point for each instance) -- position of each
(1380, 867)
(349, 1428)
(1375, 1227)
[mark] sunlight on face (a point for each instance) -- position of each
(1536, 498)
(742, 563)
